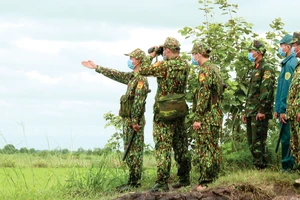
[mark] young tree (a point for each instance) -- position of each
(228, 41)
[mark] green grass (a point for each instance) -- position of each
(95, 177)
(30, 183)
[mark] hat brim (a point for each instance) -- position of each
(293, 41)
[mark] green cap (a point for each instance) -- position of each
(257, 46)
(296, 37)
(171, 43)
(199, 47)
(286, 39)
(137, 54)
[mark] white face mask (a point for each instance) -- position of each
(293, 51)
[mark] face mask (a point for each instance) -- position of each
(130, 65)
(250, 57)
(193, 61)
(164, 58)
(293, 51)
(281, 52)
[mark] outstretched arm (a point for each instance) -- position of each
(122, 77)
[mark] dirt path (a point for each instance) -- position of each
(234, 192)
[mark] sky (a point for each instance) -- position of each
(48, 100)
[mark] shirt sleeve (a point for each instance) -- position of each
(158, 69)
(204, 94)
(266, 87)
(286, 82)
(277, 98)
(138, 107)
(122, 77)
(296, 104)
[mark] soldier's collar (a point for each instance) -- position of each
(285, 60)
(257, 66)
(206, 63)
(135, 74)
(175, 58)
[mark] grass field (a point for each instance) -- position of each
(26, 176)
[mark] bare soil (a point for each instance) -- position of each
(234, 192)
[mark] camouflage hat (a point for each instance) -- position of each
(296, 37)
(257, 46)
(137, 54)
(199, 47)
(286, 39)
(171, 43)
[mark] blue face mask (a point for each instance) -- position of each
(293, 51)
(130, 65)
(194, 62)
(250, 57)
(281, 52)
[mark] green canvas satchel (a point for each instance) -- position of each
(172, 107)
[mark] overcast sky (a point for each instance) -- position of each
(42, 43)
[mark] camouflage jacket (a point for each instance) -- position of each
(171, 76)
(207, 98)
(260, 97)
(137, 86)
(293, 99)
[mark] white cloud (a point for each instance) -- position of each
(42, 46)
(42, 78)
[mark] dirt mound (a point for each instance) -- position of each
(234, 192)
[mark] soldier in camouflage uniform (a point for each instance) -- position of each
(259, 103)
(207, 116)
(132, 111)
(171, 74)
(287, 70)
(293, 103)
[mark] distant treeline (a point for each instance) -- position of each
(11, 149)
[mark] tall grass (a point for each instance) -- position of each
(69, 176)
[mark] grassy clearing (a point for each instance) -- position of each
(95, 177)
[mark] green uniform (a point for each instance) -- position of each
(207, 110)
(137, 90)
(293, 108)
(171, 78)
(259, 99)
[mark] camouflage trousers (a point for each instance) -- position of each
(257, 132)
(295, 139)
(287, 159)
(134, 159)
(167, 136)
(207, 154)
